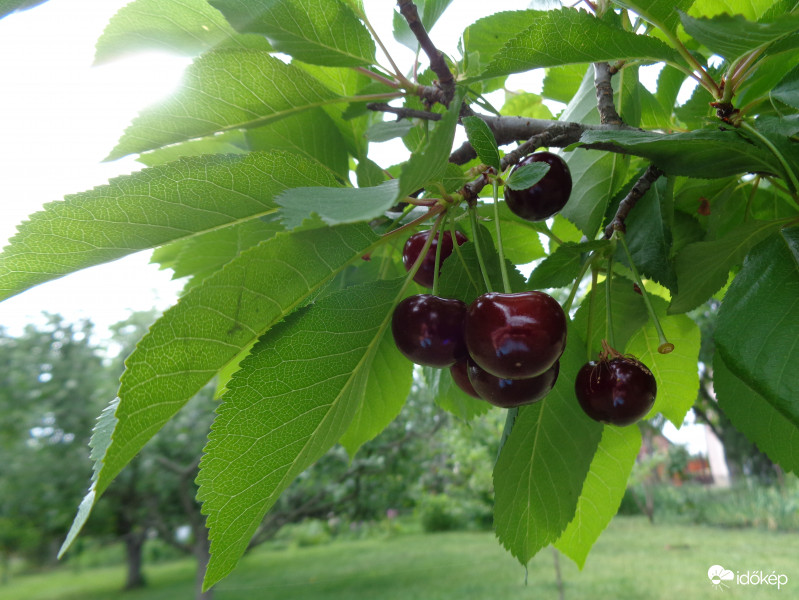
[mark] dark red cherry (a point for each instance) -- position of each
(460, 375)
(509, 393)
(515, 336)
(546, 197)
(618, 391)
(414, 245)
(428, 330)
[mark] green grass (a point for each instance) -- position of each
(632, 560)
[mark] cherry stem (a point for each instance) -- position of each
(422, 253)
(481, 262)
(608, 305)
(664, 346)
(438, 253)
(502, 267)
(591, 309)
(568, 304)
(457, 249)
(438, 209)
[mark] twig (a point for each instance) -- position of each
(640, 188)
(604, 95)
(404, 113)
(446, 82)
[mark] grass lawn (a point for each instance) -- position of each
(631, 560)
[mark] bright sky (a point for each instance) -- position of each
(60, 116)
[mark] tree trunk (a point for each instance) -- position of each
(134, 542)
(202, 553)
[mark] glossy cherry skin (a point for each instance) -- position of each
(619, 391)
(515, 336)
(428, 330)
(410, 252)
(546, 197)
(509, 393)
(460, 375)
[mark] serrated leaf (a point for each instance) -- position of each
(294, 397)
(336, 205)
(147, 209)
(485, 37)
(562, 266)
(229, 142)
(662, 13)
(9, 6)
(788, 88)
(319, 32)
(732, 36)
(387, 386)
(705, 154)
(311, 134)
(602, 492)
(482, 140)
(215, 322)
(99, 443)
(527, 176)
(543, 464)
(431, 163)
(751, 9)
(223, 90)
(183, 27)
(566, 36)
(702, 268)
(757, 326)
(756, 418)
(451, 398)
(628, 315)
(676, 373)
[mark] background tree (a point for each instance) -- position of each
(295, 271)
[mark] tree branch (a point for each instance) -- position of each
(445, 90)
(404, 113)
(604, 95)
(626, 205)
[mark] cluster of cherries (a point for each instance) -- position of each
(503, 348)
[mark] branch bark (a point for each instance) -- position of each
(404, 113)
(445, 90)
(604, 95)
(640, 188)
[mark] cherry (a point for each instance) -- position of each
(618, 391)
(509, 393)
(460, 375)
(428, 330)
(515, 336)
(546, 197)
(424, 276)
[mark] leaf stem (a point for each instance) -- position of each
(397, 72)
(502, 267)
(436, 210)
(483, 270)
(664, 346)
(788, 171)
(378, 77)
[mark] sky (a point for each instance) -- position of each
(60, 116)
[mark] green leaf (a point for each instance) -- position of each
(676, 373)
(319, 32)
(430, 164)
(429, 12)
(755, 417)
(602, 491)
(519, 237)
(222, 90)
(451, 398)
(788, 89)
(229, 142)
(482, 140)
(665, 14)
(382, 131)
(147, 209)
(733, 36)
(311, 134)
(99, 443)
(757, 326)
(527, 105)
(7, 7)
(559, 37)
(596, 176)
(703, 267)
(216, 321)
(543, 464)
(336, 205)
(628, 314)
(485, 37)
(706, 154)
(184, 27)
(387, 386)
(751, 9)
(561, 83)
(293, 398)
(527, 176)
(562, 266)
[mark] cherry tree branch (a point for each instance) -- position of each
(404, 113)
(444, 91)
(604, 94)
(640, 188)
